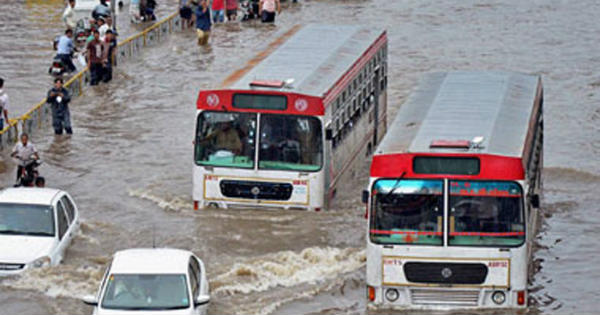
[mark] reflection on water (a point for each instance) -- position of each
(128, 165)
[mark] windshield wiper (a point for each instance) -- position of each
(396, 185)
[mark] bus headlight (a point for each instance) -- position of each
(498, 297)
(391, 295)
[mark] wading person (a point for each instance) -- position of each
(68, 16)
(3, 105)
(231, 7)
(203, 23)
(59, 98)
(267, 10)
(111, 49)
(96, 58)
(218, 9)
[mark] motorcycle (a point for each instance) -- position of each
(58, 68)
(29, 173)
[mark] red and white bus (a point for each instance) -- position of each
(281, 131)
(454, 194)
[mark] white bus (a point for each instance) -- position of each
(281, 131)
(454, 194)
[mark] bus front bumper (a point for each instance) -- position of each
(444, 299)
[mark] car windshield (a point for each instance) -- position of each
(407, 211)
(146, 292)
(485, 214)
(226, 139)
(24, 219)
(291, 143)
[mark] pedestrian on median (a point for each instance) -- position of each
(3, 105)
(68, 16)
(96, 58)
(218, 9)
(111, 48)
(59, 98)
(203, 23)
(267, 10)
(65, 49)
(231, 7)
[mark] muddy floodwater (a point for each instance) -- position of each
(128, 165)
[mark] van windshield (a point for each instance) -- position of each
(407, 211)
(486, 214)
(146, 292)
(24, 219)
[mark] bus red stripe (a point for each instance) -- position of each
(405, 232)
(487, 233)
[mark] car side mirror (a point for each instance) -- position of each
(202, 299)
(365, 196)
(535, 201)
(328, 134)
(90, 300)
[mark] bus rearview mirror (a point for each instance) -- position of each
(535, 201)
(365, 196)
(328, 134)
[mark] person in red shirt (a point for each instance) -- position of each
(218, 9)
(231, 6)
(96, 58)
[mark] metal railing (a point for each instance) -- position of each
(40, 114)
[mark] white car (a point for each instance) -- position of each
(152, 281)
(36, 227)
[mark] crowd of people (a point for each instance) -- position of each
(204, 14)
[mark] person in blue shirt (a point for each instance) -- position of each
(203, 23)
(65, 49)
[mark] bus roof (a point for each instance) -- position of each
(461, 105)
(315, 56)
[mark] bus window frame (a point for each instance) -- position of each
(372, 206)
(446, 212)
(323, 143)
(523, 208)
(254, 162)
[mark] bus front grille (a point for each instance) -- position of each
(444, 297)
(256, 190)
(446, 273)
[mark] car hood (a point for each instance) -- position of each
(124, 312)
(24, 249)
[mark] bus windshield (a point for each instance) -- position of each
(485, 214)
(226, 139)
(291, 143)
(407, 211)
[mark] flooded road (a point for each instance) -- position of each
(128, 165)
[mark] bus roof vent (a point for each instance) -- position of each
(277, 84)
(450, 144)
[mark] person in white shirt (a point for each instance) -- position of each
(3, 105)
(26, 153)
(68, 16)
(102, 29)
